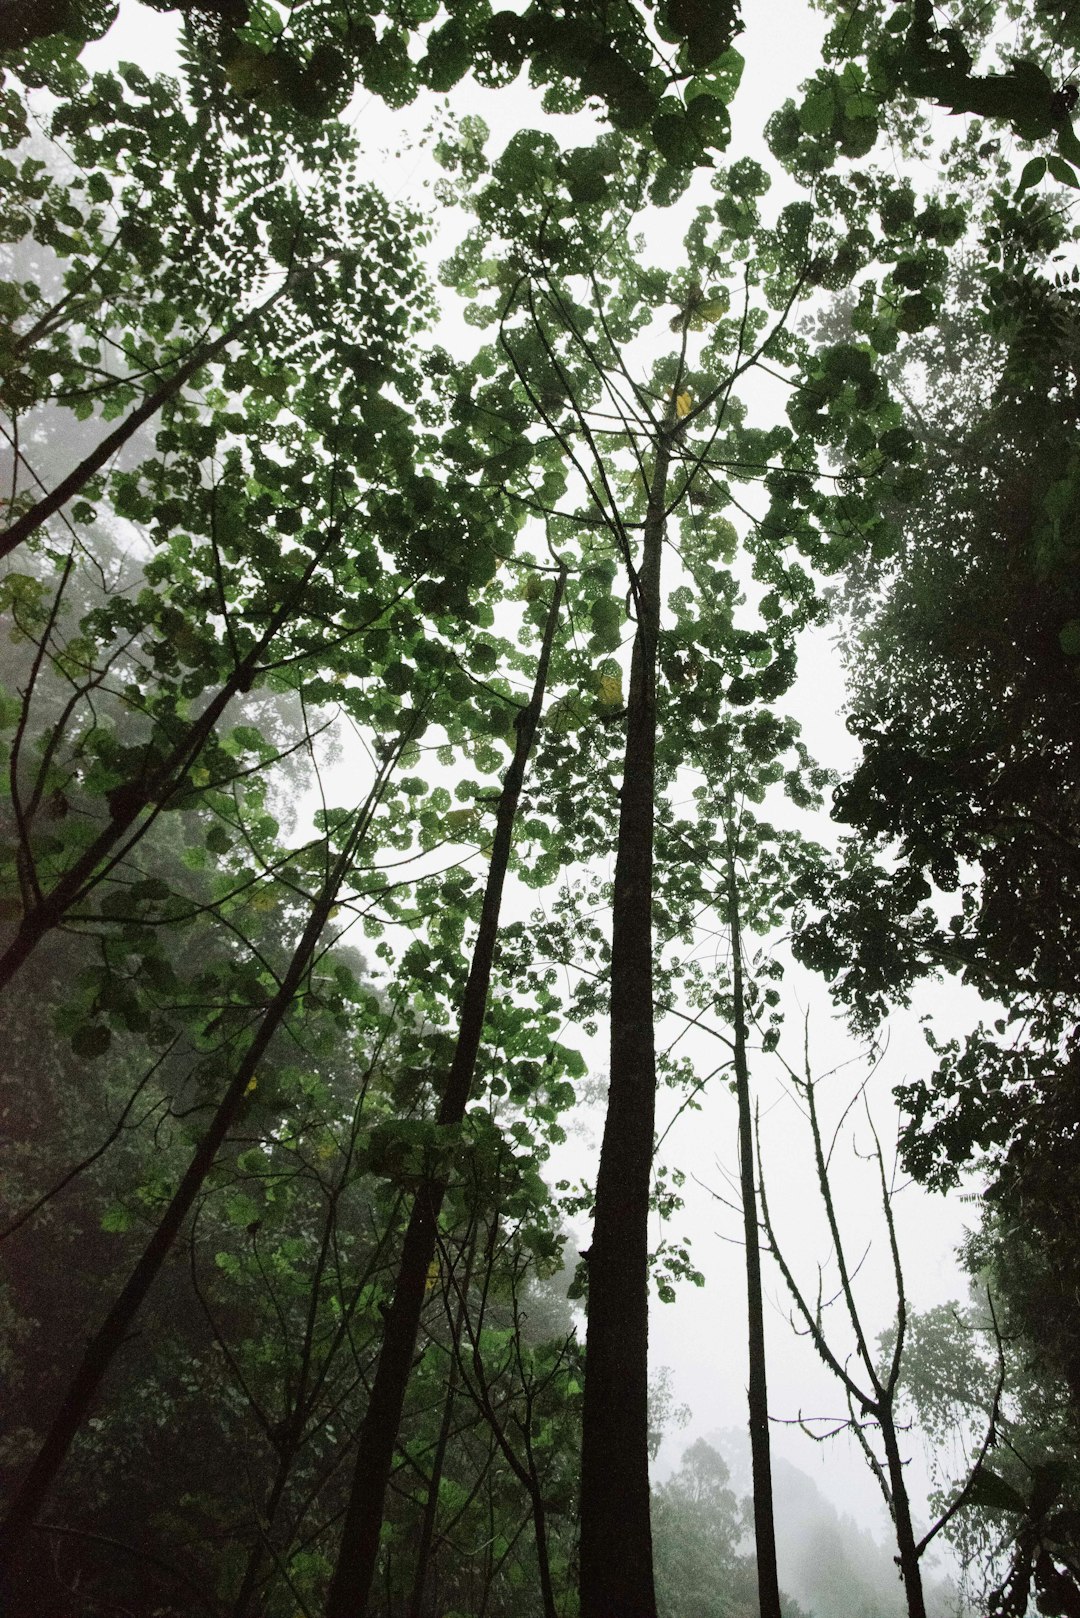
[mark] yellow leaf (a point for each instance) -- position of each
(609, 691)
(684, 403)
(200, 776)
(252, 1085)
(432, 1276)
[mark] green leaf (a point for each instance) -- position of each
(708, 117)
(861, 105)
(721, 78)
(1063, 172)
(675, 139)
(250, 70)
(607, 617)
(818, 111)
(151, 890)
(707, 26)
(858, 135)
(91, 1040)
(1069, 636)
(240, 1209)
(484, 656)
(1032, 173)
(1068, 145)
(915, 313)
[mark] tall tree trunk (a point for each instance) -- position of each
(900, 1506)
(350, 1586)
(129, 802)
(760, 1451)
(32, 520)
(543, 1556)
(616, 1536)
(112, 1333)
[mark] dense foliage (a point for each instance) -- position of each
(381, 720)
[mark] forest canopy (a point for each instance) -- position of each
(396, 680)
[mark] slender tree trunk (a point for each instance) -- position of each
(350, 1586)
(431, 1504)
(876, 1401)
(112, 1333)
(299, 1407)
(543, 1558)
(526, 1471)
(760, 1451)
(32, 520)
(129, 803)
(900, 1503)
(258, 1555)
(616, 1536)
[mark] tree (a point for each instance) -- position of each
(190, 763)
(560, 352)
(109, 1338)
(965, 830)
(1012, 1523)
(874, 1390)
(351, 1584)
(700, 1571)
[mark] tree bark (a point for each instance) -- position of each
(350, 1586)
(543, 1557)
(616, 1538)
(758, 1393)
(900, 1505)
(112, 1333)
